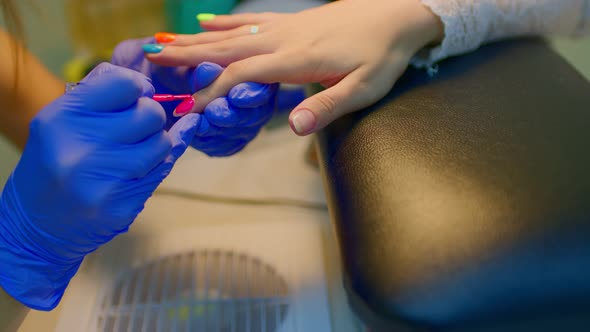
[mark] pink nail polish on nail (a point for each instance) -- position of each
(185, 107)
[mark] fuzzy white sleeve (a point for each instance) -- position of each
(469, 24)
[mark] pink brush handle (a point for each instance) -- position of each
(161, 97)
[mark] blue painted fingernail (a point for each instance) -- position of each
(152, 48)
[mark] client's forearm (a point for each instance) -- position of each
(469, 24)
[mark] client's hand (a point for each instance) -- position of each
(357, 49)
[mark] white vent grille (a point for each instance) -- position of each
(258, 276)
(213, 291)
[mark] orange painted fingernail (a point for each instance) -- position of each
(165, 37)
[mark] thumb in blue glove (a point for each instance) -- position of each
(93, 158)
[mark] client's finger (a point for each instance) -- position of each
(226, 22)
(222, 52)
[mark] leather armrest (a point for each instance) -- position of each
(462, 201)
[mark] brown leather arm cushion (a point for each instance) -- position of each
(462, 201)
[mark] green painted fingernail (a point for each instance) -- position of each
(205, 17)
(152, 48)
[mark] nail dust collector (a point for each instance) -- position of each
(265, 277)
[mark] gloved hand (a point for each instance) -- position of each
(93, 158)
(229, 123)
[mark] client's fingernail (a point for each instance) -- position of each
(185, 107)
(152, 48)
(165, 37)
(303, 121)
(202, 17)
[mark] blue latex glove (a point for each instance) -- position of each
(230, 123)
(93, 158)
